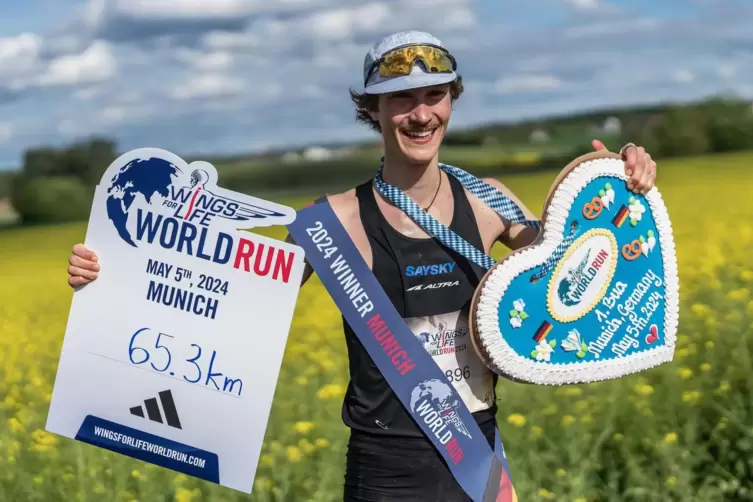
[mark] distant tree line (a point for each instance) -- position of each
(57, 184)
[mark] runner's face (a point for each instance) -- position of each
(414, 122)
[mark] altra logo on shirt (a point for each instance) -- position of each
(424, 270)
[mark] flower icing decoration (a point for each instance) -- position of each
(543, 350)
(636, 210)
(607, 195)
(518, 314)
(574, 343)
(647, 243)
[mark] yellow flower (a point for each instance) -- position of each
(670, 482)
(700, 309)
(294, 454)
(321, 443)
(536, 431)
(724, 387)
(738, 294)
(569, 391)
(303, 427)
(568, 419)
(670, 438)
(266, 460)
(301, 380)
(644, 389)
(686, 373)
(262, 484)
(691, 396)
(331, 391)
(517, 420)
(561, 473)
(185, 495)
(544, 493)
(306, 446)
(15, 425)
(705, 367)
(709, 344)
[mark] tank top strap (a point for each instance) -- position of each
(464, 221)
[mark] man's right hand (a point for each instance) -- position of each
(83, 266)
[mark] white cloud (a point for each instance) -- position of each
(119, 114)
(213, 61)
(683, 77)
(197, 9)
(584, 4)
(208, 86)
(606, 29)
(527, 83)
(20, 54)
(95, 64)
(229, 40)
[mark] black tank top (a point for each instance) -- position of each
(431, 286)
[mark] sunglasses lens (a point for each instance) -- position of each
(400, 62)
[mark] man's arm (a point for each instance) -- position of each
(515, 235)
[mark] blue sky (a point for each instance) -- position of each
(232, 76)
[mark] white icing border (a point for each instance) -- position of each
(497, 353)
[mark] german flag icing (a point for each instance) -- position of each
(620, 217)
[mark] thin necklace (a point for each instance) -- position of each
(435, 193)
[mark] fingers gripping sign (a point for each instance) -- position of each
(83, 266)
(639, 166)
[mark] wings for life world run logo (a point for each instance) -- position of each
(156, 198)
(432, 402)
(444, 340)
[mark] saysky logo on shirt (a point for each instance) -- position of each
(427, 270)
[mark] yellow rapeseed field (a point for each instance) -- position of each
(682, 432)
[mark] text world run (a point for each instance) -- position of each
(577, 288)
(184, 237)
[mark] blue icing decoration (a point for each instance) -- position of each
(630, 304)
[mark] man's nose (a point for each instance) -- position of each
(421, 113)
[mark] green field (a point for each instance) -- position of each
(681, 432)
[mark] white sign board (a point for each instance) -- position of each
(172, 355)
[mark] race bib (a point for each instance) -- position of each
(447, 339)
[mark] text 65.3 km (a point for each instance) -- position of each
(149, 346)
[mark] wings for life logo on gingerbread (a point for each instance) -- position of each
(155, 198)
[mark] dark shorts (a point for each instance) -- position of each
(385, 468)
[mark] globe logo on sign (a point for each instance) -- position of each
(145, 177)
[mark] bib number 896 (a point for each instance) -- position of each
(458, 374)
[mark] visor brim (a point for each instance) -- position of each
(412, 81)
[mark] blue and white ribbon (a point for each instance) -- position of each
(499, 202)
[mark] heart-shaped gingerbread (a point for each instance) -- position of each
(595, 297)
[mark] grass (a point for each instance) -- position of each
(681, 432)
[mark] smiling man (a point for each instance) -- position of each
(410, 85)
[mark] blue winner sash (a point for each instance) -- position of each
(407, 367)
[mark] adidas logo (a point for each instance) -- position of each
(153, 409)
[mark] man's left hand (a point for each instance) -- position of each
(638, 165)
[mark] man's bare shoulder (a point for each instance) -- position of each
(497, 184)
(345, 206)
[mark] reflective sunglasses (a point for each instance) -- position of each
(399, 61)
